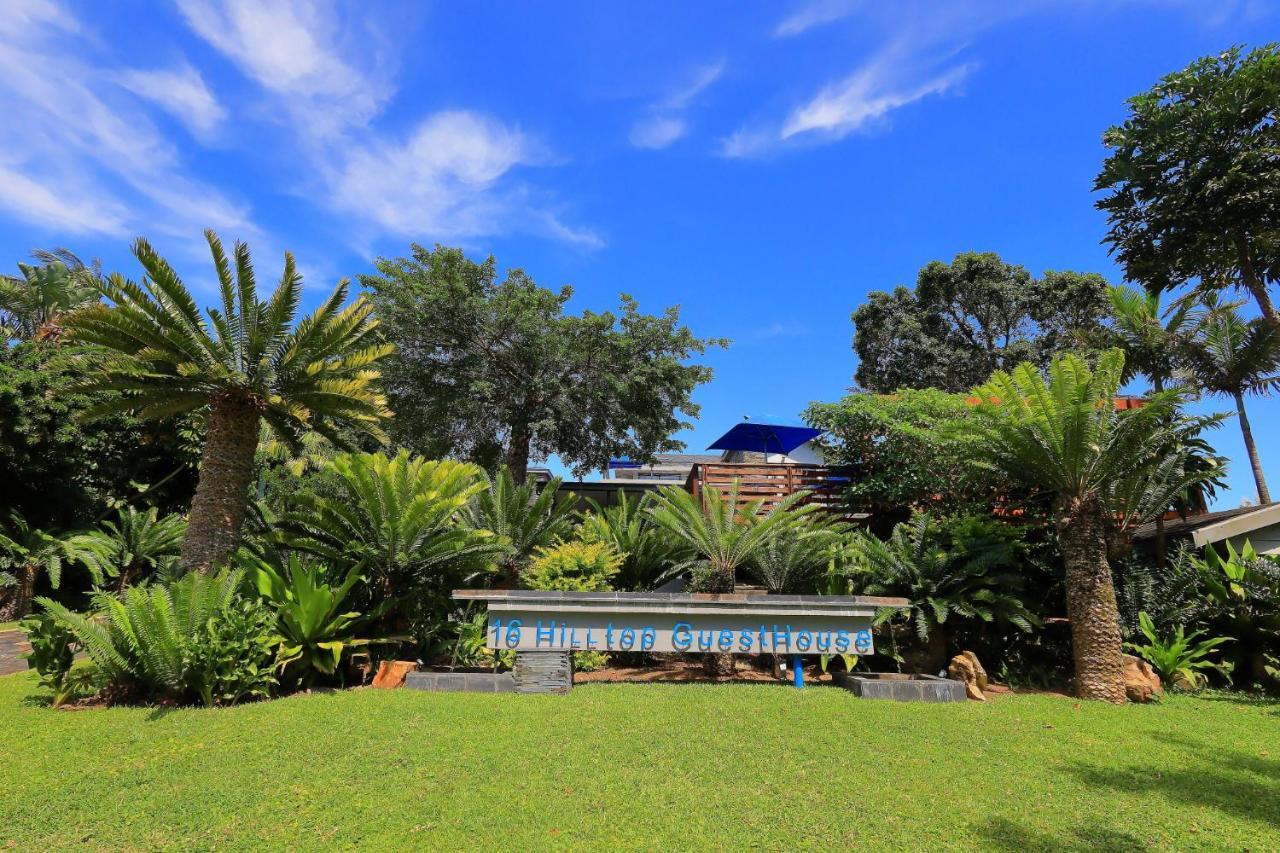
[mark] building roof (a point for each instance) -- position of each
(1207, 527)
(682, 459)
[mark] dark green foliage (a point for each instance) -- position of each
(1243, 597)
(1171, 596)
(906, 450)
(52, 654)
(971, 317)
(60, 470)
(524, 517)
(129, 548)
(1180, 659)
(966, 568)
(1193, 182)
(490, 370)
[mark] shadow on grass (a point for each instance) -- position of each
(1004, 834)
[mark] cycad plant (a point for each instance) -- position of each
(32, 304)
(136, 544)
(1236, 358)
(25, 552)
(246, 364)
(1106, 471)
(803, 546)
(524, 516)
(722, 536)
(963, 571)
(401, 519)
(648, 553)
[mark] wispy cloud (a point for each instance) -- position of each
(181, 92)
(86, 157)
(450, 176)
(814, 13)
(665, 121)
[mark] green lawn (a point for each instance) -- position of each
(8, 626)
(652, 766)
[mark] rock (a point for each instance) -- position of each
(977, 667)
(1140, 681)
(965, 668)
(391, 673)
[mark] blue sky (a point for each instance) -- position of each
(762, 164)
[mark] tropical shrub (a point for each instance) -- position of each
(248, 363)
(963, 569)
(145, 643)
(400, 519)
(315, 628)
(1171, 595)
(1243, 602)
(26, 552)
(131, 547)
(1179, 659)
(233, 658)
(573, 567)
(525, 517)
(52, 654)
(804, 545)
(648, 553)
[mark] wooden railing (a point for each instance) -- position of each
(771, 483)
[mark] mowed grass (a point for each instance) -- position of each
(641, 766)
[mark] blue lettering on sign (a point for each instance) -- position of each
(804, 641)
(682, 636)
(648, 637)
(544, 635)
(842, 642)
(824, 640)
(744, 641)
(685, 637)
(725, 640)
(628, 639)
(513, 633)
(862, 642)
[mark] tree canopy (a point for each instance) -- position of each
(1193, 180)
(494, 369)
(968, 318)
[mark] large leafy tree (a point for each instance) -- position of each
(495, 370)
(969, 317)
(32, 303)
(246, 364)
(61, 470)
(1106, 471)
(1236, 358)
(1193, 181)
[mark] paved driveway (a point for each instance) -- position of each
(12, 644)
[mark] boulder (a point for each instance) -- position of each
(391, 673)
(1141, 683)
(965, 668)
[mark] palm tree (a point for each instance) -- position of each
(972, 577)
(243, 366)
(800, 549)
(724, 536)
(31, 305)
(647, 552)
(1151, 339)
(1231, 356)
(525, 517)
(26, 551)
(135, 544)
(1106, 470)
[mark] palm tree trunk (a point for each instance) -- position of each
(1254, 283)
(1264, 495)
(222, 495)
(17, 604)
(1091, 605)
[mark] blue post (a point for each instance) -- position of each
(797, 671)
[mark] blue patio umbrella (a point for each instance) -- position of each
(764, 438)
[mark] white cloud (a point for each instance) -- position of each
(657, 131)
(812, 14)
(867, 94)
(181, 92)
(665, 122)
(86, 156)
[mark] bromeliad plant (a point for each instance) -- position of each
(315, 629)
(1181, 660)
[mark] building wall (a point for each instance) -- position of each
(1265, 540)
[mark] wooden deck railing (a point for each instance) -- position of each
(772, 483)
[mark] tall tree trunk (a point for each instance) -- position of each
(1264, 495)
(1091, 604)
(518, 453)
(1254, 283)
(17, 601)
(222, 495)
